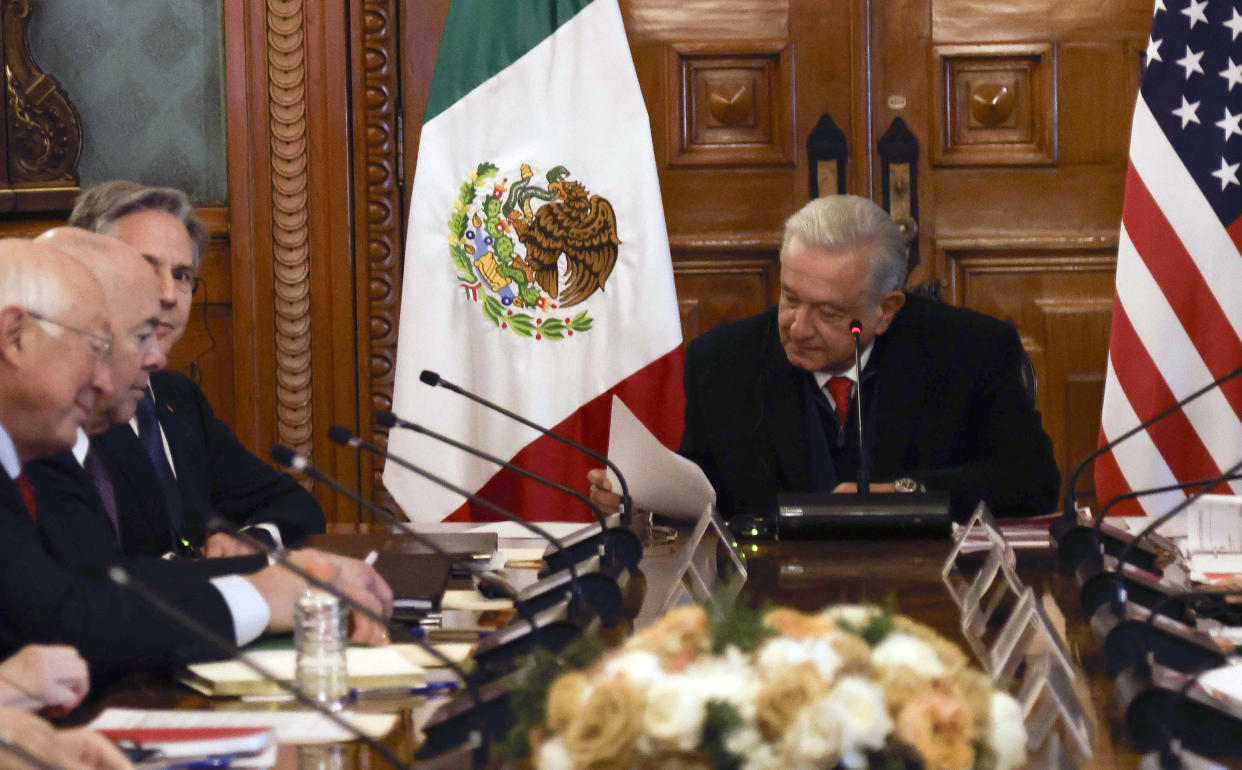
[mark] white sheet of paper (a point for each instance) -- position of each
(470, 599)
(393, 660)
(509, 530)
(660, 480)
(291, 727)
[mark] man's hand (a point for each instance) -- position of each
(70, 749)
(219, 545)
(601, 491)
(44, 677)
(850, 488)
(281, 588)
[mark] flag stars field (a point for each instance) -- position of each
(1190, 62)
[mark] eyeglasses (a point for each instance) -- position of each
(100, 344)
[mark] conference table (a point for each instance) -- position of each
(807, 575)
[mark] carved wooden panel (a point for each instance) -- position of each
(377, 195)
(996, 105)
(1059, 295)
(40, 133)
(714, 291)
(732, 103)
(286, 71)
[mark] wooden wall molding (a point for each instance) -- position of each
(378, 202)
(286, 39)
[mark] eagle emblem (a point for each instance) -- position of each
(529, 249)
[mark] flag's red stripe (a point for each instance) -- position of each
(1175, 438)
(1184, 287)
(1109, 483)
(654, 394)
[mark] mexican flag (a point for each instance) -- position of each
(537, 269)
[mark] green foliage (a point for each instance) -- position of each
(735, 624)
(581, 322)
(457, 223)
(527, 701)
(492, 309)
(485, 170)
(461, 261)
(529, 294)
(504, 249)
(522, 324)
(553, 329)
(878, 626)
(721, 719)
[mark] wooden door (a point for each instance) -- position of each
(1019, 109)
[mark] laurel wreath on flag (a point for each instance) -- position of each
(493, 221)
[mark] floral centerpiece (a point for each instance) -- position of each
(850, 686)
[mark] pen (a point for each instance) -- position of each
(430, 688)
(208, 763)
(370, 558)
(451, 634)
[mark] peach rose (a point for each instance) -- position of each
(784, 695)
(855, 655)
(901, 684)
(603, 730)
(799, 625)
(677, 638)
(564, 700)
(940, 727)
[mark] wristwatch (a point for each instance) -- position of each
(907, 484)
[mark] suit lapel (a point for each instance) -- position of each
(780, 397)
(140, 507)
(900, 390)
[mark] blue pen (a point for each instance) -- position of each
(209, 763)
(430, 688)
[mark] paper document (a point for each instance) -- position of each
(511, 531)
(290, 727)
(369, 667)
(1214, 544)
(660, 480)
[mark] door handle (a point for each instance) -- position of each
(899, 167)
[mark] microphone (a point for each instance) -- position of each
(620, 544)
(443, 734)
(1068, 520)
(864, 475)
(344, 436)
(121, 577)
(627, 504)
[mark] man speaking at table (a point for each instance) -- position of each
(771, 400)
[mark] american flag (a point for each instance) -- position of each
(1177, 313)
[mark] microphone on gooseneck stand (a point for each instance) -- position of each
(1069, 535)
(864, 474)
(1096, 583)
(288, 458)
(121, 577)
(509, 643)
(627, 504)
(620, 544)
(481, 712)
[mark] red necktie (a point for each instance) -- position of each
(840, 387)
(23, 484)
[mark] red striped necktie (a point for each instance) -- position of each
(28, 495)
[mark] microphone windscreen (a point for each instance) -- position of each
(339, 434)
(283, 455)
(429, 378)
(855, 326)
(385, 419)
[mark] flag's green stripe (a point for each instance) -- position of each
(482, 37)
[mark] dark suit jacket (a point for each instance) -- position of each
(45, 601)
(215, 474)
(80, 535)
(949, 410)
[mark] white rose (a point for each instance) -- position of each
(719, 680)
(743, 741)
(1006, 733)
(859, 706)
(856, 615)
(674, 712)
(639, 667)
(553, 756)
(782, 652)
(814, 738)
(902, 649)
(765, 757)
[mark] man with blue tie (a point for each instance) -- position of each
(177, 465)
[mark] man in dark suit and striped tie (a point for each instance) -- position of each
(177, 465)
